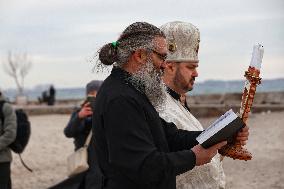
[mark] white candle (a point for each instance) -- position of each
(257, 55)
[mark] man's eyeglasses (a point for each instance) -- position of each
(163, 57)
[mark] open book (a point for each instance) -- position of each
(224, 128)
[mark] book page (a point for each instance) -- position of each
(217, 125)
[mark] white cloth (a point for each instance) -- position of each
(208, 176)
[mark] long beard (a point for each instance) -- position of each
(148, 81)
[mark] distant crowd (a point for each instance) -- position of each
(48, 97)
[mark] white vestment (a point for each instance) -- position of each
(208, 176)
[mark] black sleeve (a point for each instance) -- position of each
(179, 139)
(75, 125)
(131, 148)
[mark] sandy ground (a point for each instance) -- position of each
(48, 148)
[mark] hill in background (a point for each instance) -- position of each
(220, 87)
(206, 87)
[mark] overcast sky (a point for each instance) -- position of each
(61, 36)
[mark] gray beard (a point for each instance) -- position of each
(148, 81)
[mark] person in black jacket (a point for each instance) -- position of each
(80, 122)
(79, 127)
(131, 145)
(51, 98)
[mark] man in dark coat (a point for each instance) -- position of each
(79, 127)
(51, 98)
(80, 123)
(133, 147)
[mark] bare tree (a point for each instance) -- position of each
(18, 66)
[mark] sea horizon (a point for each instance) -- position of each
(200, 88)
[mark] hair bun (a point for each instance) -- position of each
(108, 54)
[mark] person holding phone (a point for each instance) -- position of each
(80, 123)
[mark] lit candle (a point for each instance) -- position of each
(257, 55)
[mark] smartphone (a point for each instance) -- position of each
(91, 100)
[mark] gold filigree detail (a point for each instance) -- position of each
(172, 47)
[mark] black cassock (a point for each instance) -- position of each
(75, 182)
(135, 148)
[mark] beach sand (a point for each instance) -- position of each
(48, 149)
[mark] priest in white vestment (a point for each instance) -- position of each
(181, 70)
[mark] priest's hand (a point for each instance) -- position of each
(203, 155)
(242, 135)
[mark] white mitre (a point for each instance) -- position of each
(183, 41)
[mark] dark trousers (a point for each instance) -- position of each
(5, 175)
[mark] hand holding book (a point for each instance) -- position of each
(203, 155)
(242, 135)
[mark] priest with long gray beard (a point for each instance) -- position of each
(134, 147)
